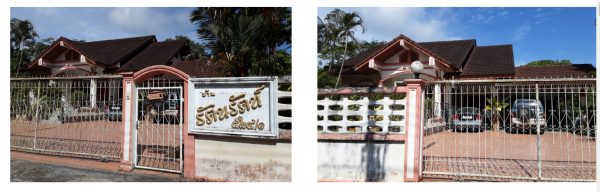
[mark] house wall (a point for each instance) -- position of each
(348, 80)
(360, 161)
(225, 158)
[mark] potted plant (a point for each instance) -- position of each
(495, 106)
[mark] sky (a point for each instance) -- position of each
(93, 24)
(535, 33)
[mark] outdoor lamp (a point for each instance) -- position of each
(417, 68)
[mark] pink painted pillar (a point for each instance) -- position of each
(128, 121)
(414, 113)
(189, 142)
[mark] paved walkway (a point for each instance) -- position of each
(28, 171)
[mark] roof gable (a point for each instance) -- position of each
(359, 62)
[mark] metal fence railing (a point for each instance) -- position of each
(159, 125)
(361, 112)
(531, 129)
(74, 116)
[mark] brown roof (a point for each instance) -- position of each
(197, 68)
(110, 52)
(490, 61)
(364, 55)
(158, 53)
(577, 70)
(456, 52)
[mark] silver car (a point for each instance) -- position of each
(526, 114)
(466, 118)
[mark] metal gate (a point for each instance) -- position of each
(159, 123)
(507, 130)
(67, 116)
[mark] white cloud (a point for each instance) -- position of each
(417, 23)
(521, 32)
(138, 20)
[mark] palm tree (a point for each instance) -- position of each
(328, 36)
(22, 34)
(346, 23)
(250, 40)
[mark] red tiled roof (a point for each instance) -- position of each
(577, 70)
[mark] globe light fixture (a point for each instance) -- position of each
(416, 67)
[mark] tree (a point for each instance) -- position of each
(345, 23)
(252, 41)
(197, 50)
(22, 38)
(549, 62)
(495, 106)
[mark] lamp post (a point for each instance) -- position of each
(416, 67)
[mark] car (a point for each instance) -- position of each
(585, 126)
(466, 118)
(167, 109)
(114, 110)
(526, 115)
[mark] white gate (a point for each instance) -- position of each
(513, 129)
(159, 111)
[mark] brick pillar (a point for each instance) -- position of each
(414, 126)
(128, 119)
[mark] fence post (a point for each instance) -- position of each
(414, 110)
(128, 121)
(537, 125)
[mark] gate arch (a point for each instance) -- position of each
(132, 80)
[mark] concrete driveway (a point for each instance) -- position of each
(30, 171)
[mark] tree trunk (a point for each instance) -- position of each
(20, 59)
(495, 123)
(343, 60)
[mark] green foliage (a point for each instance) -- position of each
(325, 79)
(354, 107)
(336, 107)
(376, 97)
(549, 62)
(495, 105)
(396, 117)
(248, 41)
(22, 44)
(355, 97)
(398, 96)
(375, 107)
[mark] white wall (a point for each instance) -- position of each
(243, 159)
(360, 161)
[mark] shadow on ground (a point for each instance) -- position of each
(29, 171)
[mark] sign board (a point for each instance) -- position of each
(242, 106)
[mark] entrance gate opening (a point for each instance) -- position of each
(507, 130)
(158, 133)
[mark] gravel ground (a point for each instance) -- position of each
(30, 171)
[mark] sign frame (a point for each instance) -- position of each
(206, 83)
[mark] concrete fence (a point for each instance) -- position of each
(369, 134)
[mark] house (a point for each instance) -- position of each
(389, 64)
(556, 71)
(66, 57)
